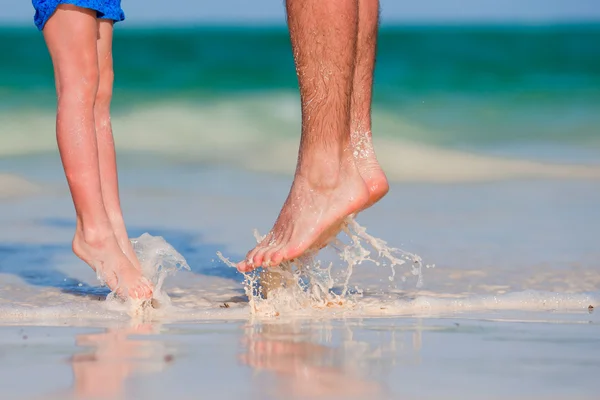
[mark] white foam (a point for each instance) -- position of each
(304, 287)
(312, 288)
(529, 300)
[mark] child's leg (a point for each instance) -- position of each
(104, 137)
(71, 35)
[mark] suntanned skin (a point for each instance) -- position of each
(337, 173)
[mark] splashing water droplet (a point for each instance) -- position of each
(304, 284)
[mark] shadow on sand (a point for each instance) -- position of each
(34, 263)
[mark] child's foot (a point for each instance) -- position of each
(104, 255)
(122, 237)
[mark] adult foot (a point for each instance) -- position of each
(369, 168)
(319, 201)
(104, 255)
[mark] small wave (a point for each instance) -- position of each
(260, 133)
(25, 305)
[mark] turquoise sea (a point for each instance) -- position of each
(496, 89)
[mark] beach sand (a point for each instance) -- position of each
(509, 272)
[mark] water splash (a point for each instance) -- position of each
(158, 260)
(305, 284)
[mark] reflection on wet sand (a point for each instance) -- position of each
(305, 361)
(115, 356)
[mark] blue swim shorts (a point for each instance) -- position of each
(105, 9)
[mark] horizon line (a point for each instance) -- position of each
(425, 23)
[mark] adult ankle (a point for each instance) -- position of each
(324, 171)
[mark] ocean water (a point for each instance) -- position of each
(489, 135)
(193, 93)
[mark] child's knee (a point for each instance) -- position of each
(81, 83)
(105, 89)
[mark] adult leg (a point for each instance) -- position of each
(360, 110)
(71, 35)
(104, 137)
(327, 185)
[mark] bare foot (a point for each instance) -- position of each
(124, 243)
(112, 265)
(317, 205)
(369, 168)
